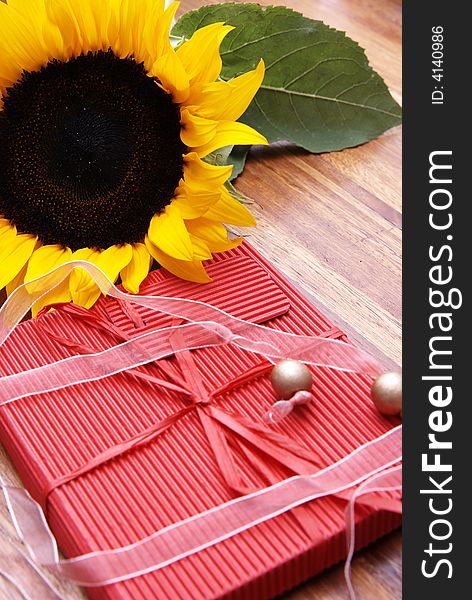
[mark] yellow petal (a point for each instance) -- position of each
(21, 44)
(185, 269)
(60, 13)
(17, 281)
(167, 231)
(14, 255)
(103, 13)
(136, 28)
(199, 172)
(137, 270)
(193, 204)
(112, 27)
(230, 133)
(129, 18)
(171, 74)
(230, 211)
(95, 17)
(200, 55)
(138, 13)
(111, 261)
(245, 87)
(45, 259)
(9, 72)
(87, 297)
(214, 234)
(208, 99)
(114, 259)
(83, 290)
(60, 293)
(87, 16)
(229, 244)
(227, 100)
(197, 131)
(79, 27)
(200, 248)
(54, 43)
(156, 32)
(6, 229)
(46, 30)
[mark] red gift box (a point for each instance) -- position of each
(180, 472)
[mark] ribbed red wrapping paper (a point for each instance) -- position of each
(176, 475)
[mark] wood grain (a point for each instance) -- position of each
(332, 224)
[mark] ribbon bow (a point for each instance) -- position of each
(224, 430)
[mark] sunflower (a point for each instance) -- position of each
(104, 128)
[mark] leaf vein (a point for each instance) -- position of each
(328, 99)
(353, 86)
(261, 39)
(295, 51)
(324, 84)
(316, 65)
(302, 123)
(256, 102)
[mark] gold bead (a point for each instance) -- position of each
(386, 393)
(290, 376)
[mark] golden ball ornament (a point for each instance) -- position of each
(289, 377)
(386, 393)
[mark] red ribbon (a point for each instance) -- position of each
(225, 431)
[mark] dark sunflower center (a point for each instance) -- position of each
(91, 151)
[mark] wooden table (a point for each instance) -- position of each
(332, 224)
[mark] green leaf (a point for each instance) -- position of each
(230, 155)
(237, 194)
(219, 157)
(237, 158)
(319, 90)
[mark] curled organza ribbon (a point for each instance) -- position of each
(282, 408)
(205, 326)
